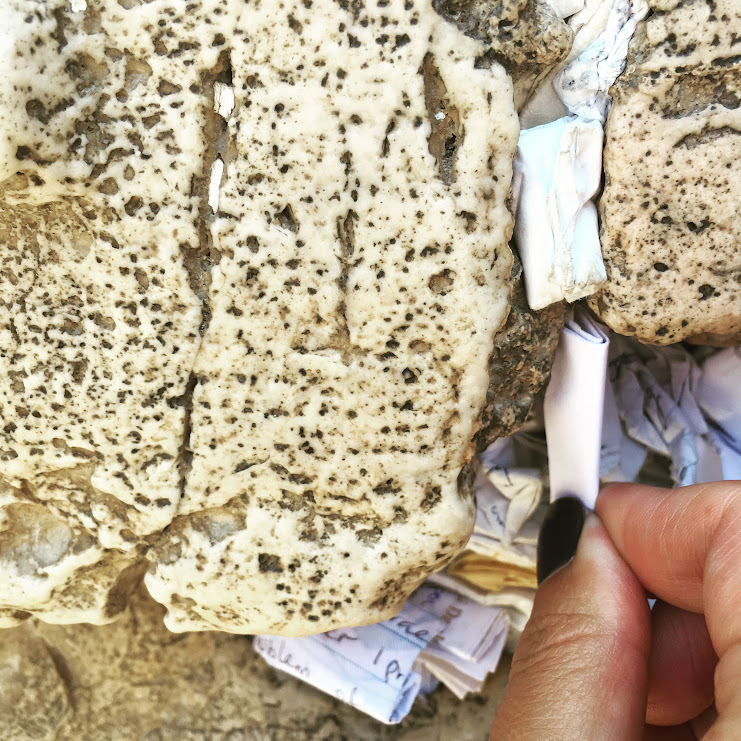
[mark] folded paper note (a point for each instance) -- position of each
(381, 668)
(469, 647)
(491, 574)
(558, 168)
(573, 409)
(517, 602)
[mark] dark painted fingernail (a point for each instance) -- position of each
(559, 535)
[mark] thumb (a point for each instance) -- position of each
(580, 670)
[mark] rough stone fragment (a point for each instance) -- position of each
(34, 698)
(520, 364)
(670, 210)
(715, 340)
(134, 679)
(364, 271)
(525, 36)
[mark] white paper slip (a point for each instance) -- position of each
(558, 168)
(584, 84)
(573, 409)
(377, 668)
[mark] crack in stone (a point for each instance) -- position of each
(199, 261)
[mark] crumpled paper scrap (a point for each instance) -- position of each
(558, 168)
(621, 459)
(507, 495)
(380, 669)
(584, 84)
(590, 26)
(558, 165)
(669, 404)
(719, 396)
(566, 8)
(498, 567)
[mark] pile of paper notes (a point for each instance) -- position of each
(380, 669)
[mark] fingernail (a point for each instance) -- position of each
(559, 535)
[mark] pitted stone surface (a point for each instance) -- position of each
(343, 373)
(525, 36)
(520, 365)
(253, 262)
(670, 208)
(98, 324)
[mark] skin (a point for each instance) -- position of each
(595, 663)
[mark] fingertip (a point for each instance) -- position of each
(625, 508)
(617, 493)
(590, 625)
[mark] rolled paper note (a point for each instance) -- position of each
(573, 409)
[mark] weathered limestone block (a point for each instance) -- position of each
(362, 230)
(671, 221)
(253, 260)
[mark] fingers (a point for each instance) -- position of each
(680, 667)
(668, 733)
(580, 668)
(685, 546)
(728, 695)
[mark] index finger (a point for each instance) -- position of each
(684, 545)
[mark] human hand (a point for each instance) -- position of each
(593, 661)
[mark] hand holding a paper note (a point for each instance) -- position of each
(594, 662)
